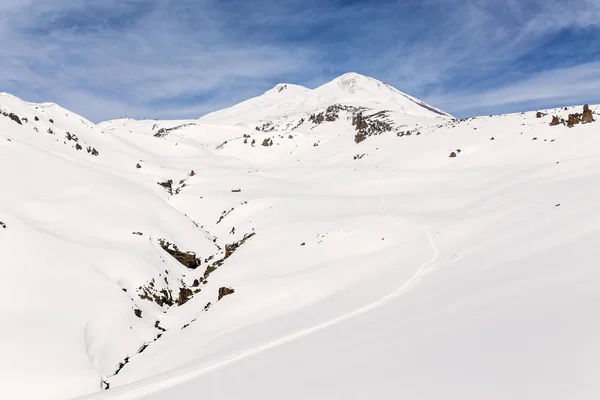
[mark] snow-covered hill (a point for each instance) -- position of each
(344, 242)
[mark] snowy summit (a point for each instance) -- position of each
(344, 242)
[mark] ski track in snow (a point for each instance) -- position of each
(147, 386)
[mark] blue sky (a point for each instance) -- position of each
(183, 58)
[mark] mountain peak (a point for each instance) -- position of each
(352, 82)
(287, 88)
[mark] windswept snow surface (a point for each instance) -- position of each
(379, 268)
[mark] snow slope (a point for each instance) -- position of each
(378, 268)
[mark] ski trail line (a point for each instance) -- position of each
(172, 378)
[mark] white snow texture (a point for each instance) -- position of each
(374, 246)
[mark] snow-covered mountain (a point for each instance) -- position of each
(345, 242)
(285, 105)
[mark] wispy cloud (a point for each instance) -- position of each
(182, 58)
(556, 87)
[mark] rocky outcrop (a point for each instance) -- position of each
(72, 137)
(587, 116)
(167, 185)
(162, 132)
(453, 154)
(555, 121)
(573, 120)
(359, 122)
(267, 142)
(539, 114)
(229, 250)
(162, 297)
(187, 258)
(184, 295)
(359, 137)
(370, 125)
(329, 115)
(266, 127)
(225, 291)
(12, 116)
(232, 247)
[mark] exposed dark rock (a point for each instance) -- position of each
(121, 365)
(138, 233)
(267, 142)
(229, 250)
(555, 121)
(167, 185)
(144, 347)
(161, 297)
(192, 173)
(138, 312)
(164, 131)
(78, 146)
(51, 121)
(236, 190)
(539, 114)
(138, 166)
(12, 116)
(317, 119)
(587, 116)
(573, 120)
(359, 137)
(160, 328)
(92, 151)
(224, 214)
(187, 258)
(225, 291)
(266, 127)
(452, 155)
(207, 306)
(184, 295)
(210, 269)
(2, 225)
(370, 125)
(359, 122)
(36, 118)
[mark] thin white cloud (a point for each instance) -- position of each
(562, 85)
